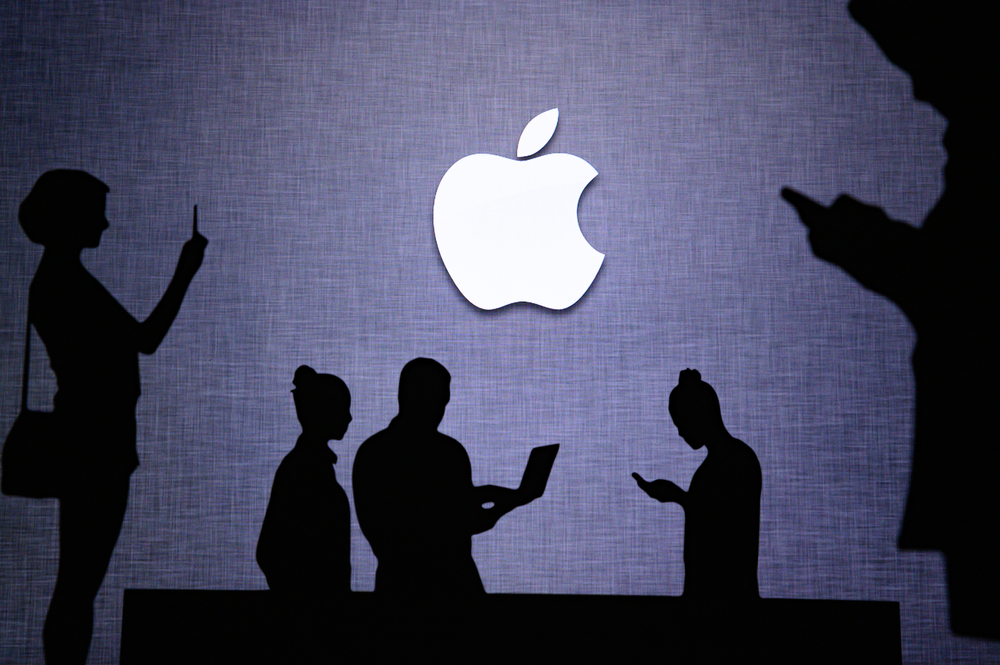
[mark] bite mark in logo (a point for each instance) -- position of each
(507, 230)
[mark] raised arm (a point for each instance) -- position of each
(155, 327)
(663, 491)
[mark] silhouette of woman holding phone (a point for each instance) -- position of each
(304, 548)
(722, 504)
(93, 345)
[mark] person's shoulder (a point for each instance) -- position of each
(445, 440)
(49, 284)
(289, 465)
(287, 480)
(445, 447)
(745, 448)
(371, 453)
(747, 457)
(57, 287)
(301, 472)
(375, 443)
(52, 274)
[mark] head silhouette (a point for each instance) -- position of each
(322, 403)
(694, 408)
(424, 391)
(65, 208)
(945, 46)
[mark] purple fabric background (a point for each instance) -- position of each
(313, 137)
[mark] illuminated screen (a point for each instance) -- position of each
(313, 138)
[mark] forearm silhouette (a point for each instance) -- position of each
(503, 499)
(880, 253)
(157, 324)
(663, 491)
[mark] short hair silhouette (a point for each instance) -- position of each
(424, 389)
(55, 201)
(415, 499)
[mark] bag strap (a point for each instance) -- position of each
(27, 364)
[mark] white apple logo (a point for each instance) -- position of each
(507, 229)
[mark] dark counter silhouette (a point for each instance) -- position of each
(193, 627)
(414, 496)
(722, 504)
(93, 345)
(944, 276)
(304, 549)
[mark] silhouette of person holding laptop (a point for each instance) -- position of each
(944, 277)
(304, 549)
(722, 504)
(414, 496)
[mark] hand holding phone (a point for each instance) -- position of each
(810, 212)
(193, 251)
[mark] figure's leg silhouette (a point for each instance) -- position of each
(90, 520)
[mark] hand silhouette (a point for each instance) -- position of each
(844, 224)
(663, 491)
(811, 213)
(503, 499)
(193, 252)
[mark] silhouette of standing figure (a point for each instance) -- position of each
(304, 548)
(414, 496)
(722, 504)
(944, 277)
(93, 346)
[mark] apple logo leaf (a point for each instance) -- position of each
(537, 133)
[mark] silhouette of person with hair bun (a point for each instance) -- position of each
(304, 549)
(722, 504)
(93, 345)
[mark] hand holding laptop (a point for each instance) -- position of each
(498, 501)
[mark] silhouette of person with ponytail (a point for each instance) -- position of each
(944, 277)
(93, 345)
(722, 504)
(304, 549)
